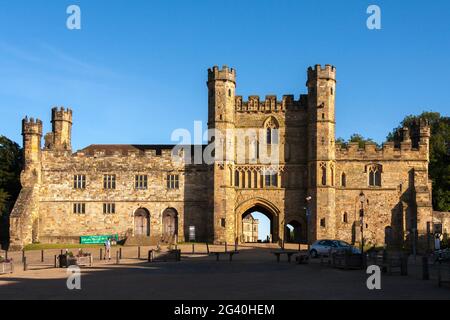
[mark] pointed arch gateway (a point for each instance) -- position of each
(263, 206)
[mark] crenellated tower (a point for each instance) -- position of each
(321, 151)
(221, 119)
(60, 138)
(32, 135)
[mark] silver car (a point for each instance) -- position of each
(325, 247)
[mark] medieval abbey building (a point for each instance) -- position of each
(318, 187)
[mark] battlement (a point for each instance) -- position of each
(31, 126)
(418, 132)
(226, 74)
(270, 104)
(61, 114)
(318, 72)
(389, 151)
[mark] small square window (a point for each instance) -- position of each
(173, 181)
(109, 181)
(141, 182)
(79, 181)
(322, 223)
(109, 208)
(79, 208)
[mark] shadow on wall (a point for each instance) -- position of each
(197, 217)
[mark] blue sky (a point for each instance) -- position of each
(137, 69)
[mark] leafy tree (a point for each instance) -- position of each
(439, 169)
(356, 137)
(10, 168)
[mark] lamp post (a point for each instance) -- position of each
(362, 199)
(308, 213)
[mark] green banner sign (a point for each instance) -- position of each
(97, 239)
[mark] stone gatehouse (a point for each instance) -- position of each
(317, 186)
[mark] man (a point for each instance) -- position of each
(108, 249)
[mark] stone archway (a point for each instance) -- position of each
(170, 223)
(262, 206)
(141, 223)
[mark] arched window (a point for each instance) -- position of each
(323, 170)
(374, 172)
(271, 126)
(236, 178)
(345, 217)
(332, 174)
(343, 179)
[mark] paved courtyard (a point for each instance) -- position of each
(253, 274)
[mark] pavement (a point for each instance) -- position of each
(253, 274)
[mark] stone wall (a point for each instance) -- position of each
(307, 176)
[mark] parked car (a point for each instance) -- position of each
(323, 247)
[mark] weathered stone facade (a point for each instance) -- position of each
(315, 184)
(250, 229)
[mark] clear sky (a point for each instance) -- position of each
(137, 69)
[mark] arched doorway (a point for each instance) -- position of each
(294, 232)
(170, 222)
(142, 222)
(263, 209)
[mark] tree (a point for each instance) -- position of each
(10, 169)
(356, 137)
(439, 168)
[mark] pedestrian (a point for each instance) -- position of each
(437, 242)
(108, 249)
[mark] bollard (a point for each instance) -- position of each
(207, 247)
(139, 253)
(425, 271)
(23, 255)
(193, 248)
(404, 266)
(236, 245)
(120, 253)
(56, 261)
(25, 267)
(226, 247)
(42, 255)
(101, 254)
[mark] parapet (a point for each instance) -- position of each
(270, 104)
(226, 74)
(389, 151)
(328, 72)
(31, 126)
(61, 114)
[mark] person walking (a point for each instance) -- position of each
(437, 242)
(108, 249)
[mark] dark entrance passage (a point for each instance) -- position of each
(293, 232)
(142, 222)
(170, 223)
